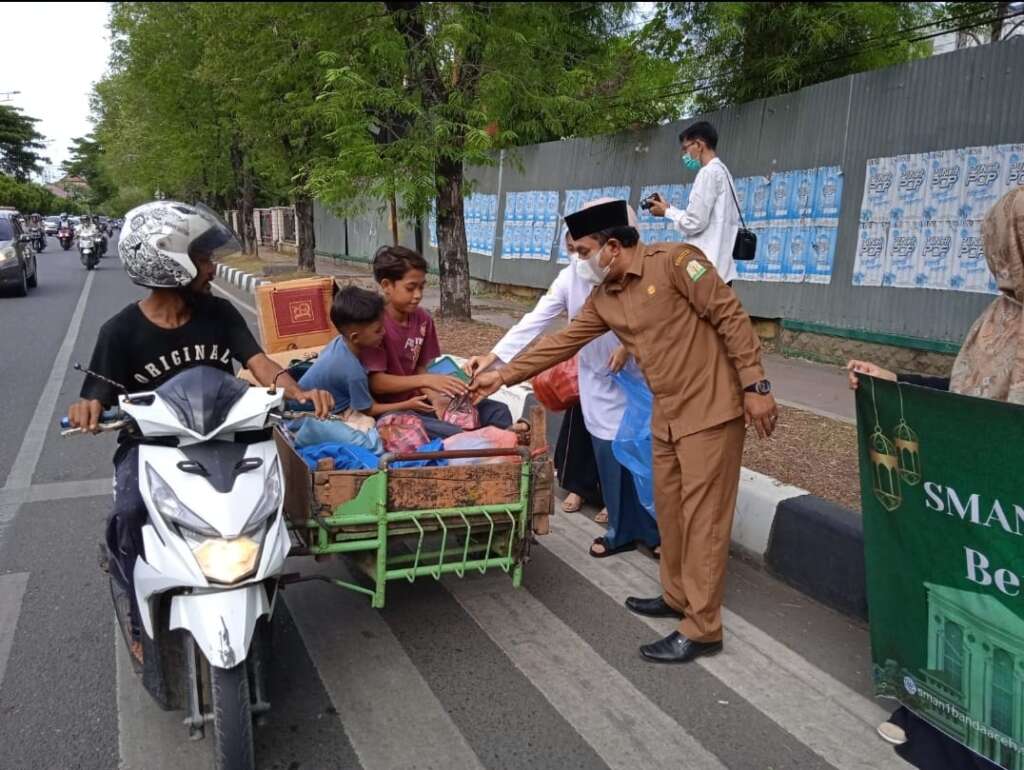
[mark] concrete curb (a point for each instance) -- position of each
(247, 282)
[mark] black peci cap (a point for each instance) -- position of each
(603, 216)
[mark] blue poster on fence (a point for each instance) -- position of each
(758, 188)
(823, 254)
(779, 192)
(828, 192)
(801, 202)
(797, 248)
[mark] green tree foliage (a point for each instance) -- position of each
(729, 53)
(31, 198)
(981, 23)
(20, 144)
(434, 87)
(86, 161)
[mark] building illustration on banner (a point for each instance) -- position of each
(942, 197)
(975, 653)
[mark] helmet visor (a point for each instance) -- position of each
(218, 241)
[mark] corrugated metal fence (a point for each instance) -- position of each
(960, 99)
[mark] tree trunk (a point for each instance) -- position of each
(304, 232)
(1002, 9)
(453, 255)
(394, 219)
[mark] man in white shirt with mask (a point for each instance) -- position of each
(601, 399)
(711, 219)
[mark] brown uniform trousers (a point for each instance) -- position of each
(695, 483)
(698, 350)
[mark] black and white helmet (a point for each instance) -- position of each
(160, 239)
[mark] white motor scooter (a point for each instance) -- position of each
(215, 545)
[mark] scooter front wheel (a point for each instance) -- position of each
(232, 718)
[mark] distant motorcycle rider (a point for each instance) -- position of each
(169, 248)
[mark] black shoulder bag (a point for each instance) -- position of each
(746, 241)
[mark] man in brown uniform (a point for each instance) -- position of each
(702, 359)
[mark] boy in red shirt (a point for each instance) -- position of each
(398, 367)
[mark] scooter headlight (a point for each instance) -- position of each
(268, 504)
(227, 561)
(173, 510)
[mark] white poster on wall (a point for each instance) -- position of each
(879, 191)
(944, 199)
(910, 187)
(823, 254)
(1013, 166)
(902, 255)
(983, 181)
(936, 254)
(969, 270)
(868, 262)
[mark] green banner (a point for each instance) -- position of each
(942, 488)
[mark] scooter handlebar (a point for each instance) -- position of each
(110, 419)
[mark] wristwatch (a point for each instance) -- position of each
(761, 387)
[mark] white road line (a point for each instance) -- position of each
(625, 728)
(31, 448)
(149, 738)
(57, 490)
(821, 712)
(12, 592)
(392, 718)
(228, 295)
(32, 445)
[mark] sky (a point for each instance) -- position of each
(57, 53)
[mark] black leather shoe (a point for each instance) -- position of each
(676, 648)
(655, 608)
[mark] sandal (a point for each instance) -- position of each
(601, 517)
(608, 551)
(572, 503)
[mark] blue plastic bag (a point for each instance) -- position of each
(632, 444)
(314, 432)
(347, 457)
(437, 445)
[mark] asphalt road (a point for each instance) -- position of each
(453, 674)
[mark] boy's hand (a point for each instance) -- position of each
(85, 413)
(323, 402)
(419, 403)
(658, 205)
(478, 364)
(485, 385)
(443, 383)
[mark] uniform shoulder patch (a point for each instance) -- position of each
(695, 270)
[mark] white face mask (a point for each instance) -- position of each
(590, 269)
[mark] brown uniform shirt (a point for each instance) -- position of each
(685, 327)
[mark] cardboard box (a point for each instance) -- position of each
(293, 315)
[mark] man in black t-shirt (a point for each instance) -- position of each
(169, 248)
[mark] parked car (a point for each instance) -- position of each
(52, 225)
(18, 270)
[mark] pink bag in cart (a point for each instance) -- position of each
(402, 433)
(485, 438)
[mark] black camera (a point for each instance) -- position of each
(650, 200)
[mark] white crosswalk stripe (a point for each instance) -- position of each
(12, 592)
(825, 715)
(624, 728)
(389, 713)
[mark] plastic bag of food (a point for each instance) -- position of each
(558, 388)
(485, 438)
(461, 412)
(401, 432)
(632, 444)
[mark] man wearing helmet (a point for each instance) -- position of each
(169, 248)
